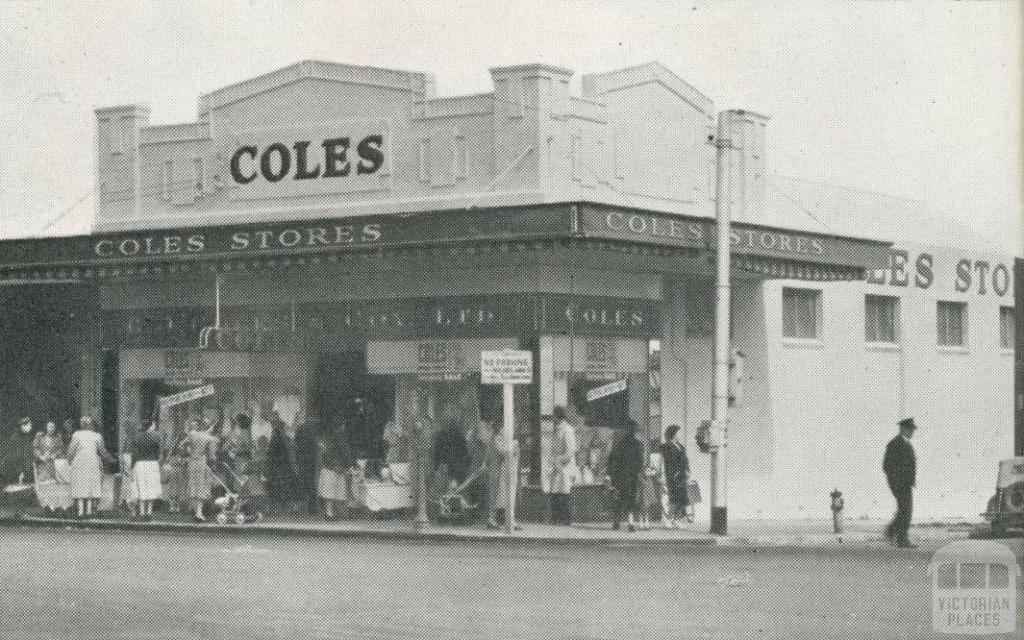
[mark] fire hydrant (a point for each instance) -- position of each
(837, 511)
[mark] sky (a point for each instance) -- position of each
(915, 99)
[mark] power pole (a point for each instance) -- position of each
(723, 293)
(1018, 401)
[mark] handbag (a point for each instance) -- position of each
(693, 491)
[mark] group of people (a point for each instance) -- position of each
(68, 455)
(216, 456)
(642, 483)
(657, 481)
(474, 469)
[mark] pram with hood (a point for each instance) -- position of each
(234, 506)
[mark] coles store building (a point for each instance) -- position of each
(326, 232)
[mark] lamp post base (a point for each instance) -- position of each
(719, 520)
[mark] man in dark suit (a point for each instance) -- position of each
(900, 466)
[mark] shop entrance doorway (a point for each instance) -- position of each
(344, 393)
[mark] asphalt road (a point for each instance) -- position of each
(104, 585)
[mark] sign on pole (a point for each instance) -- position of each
(606, 390)
(508, 366)
(186, 396)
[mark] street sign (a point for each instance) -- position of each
(508, 366)
(186, 396)
(606, 390)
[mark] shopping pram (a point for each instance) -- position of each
(234, 506)
(18, 495)
(451, 501)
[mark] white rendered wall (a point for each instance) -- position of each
(835, 401)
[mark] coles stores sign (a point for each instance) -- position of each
(335, 157)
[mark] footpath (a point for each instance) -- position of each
(742, 533)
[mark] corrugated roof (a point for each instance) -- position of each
(810, 205)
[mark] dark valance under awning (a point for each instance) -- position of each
(764, 251)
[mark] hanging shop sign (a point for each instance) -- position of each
(431, 360)
(600, 359)
(606, 390)
(677, 231)
(440, 361)
(181, 366)
(186, 396)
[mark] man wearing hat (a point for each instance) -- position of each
(900, 466)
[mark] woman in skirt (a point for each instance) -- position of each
(677, 475)
(146, 470)
(202, 452)
(651, 483)
(86, 455)
(334, 463)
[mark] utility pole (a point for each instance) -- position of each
(723, 292)
(1018, 404)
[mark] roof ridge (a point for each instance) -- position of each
(846, 187)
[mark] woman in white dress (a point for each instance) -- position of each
(86, 454)
(564, 471)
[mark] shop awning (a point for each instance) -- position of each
(764, 251)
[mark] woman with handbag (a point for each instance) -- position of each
(677, 475)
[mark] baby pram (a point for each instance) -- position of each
(54, 494)
(450, 501)
(18, 495)
(234, 506)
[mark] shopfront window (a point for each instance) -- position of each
(801, 313)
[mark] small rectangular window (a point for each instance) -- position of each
(951, 319)
(1007, 327)
(425, 160)
(801, 313)
(881, 318)
(166, 178)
